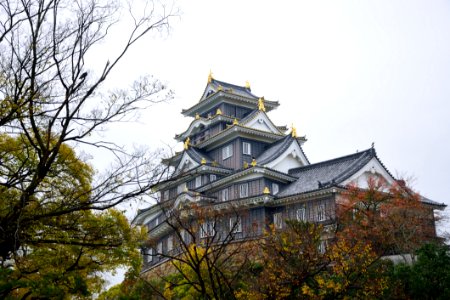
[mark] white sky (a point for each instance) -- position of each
(346, 73)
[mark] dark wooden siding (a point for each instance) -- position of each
(230, 162)
(311, 210)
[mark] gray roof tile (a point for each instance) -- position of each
(326, 173)
(276, 149)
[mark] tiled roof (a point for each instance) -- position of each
(431, 202)
(326, 173)
(198, 155)
(276, 149)
(238, 90)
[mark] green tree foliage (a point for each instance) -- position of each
(427, 278)
(61, 251)
(58, 228)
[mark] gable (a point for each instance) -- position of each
(186, 163)
(262, 122)
(291, 158)
(371, 169)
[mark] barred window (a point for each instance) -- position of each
(235, 224)
(278, 220)
(243, 190)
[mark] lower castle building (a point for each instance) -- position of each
(251, 171)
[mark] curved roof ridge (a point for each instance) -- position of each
(198, 155)
(353, 167)
(234, 86)
(250, 116)
(330, 161)
(274, 150)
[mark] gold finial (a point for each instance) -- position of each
(187, 143)
(247, 85)
(294, 131)
(214, 163)
(218, 111)
(235, 122)
(203, 161)
(220, 87)
(253, 163)
(245, 165)
(261, 104)
(266, 191)
(197, 116)
(210, 76)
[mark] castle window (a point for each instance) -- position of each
(275, 188)
(278, 220)
(235, 224)
(212, 177)
(166, 195)
(181, 188)
(225, 195)
(227, 151)
(322, 247)
(321, 212)
(246, 148)
(198, 181)
(170, 243)
(301, 214)
(207, 229)
(159, 248)
(148, 254)
(243, 190)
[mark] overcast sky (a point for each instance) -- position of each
(346, 73)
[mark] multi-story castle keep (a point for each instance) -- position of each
(233, 153)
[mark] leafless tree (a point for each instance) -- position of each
(210, 252)
(50, 97)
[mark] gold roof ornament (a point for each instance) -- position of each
(220, 87)
(294, 131)
(187, 143)
(218, 111)
(253, 163)
(197, 116)
(203, 161)
(235, 122)
(247, 85)
(245, 165)
(266, 191)
(210, 76)
(214, 163)
(261, 104)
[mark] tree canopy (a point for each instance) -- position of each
(58, 228)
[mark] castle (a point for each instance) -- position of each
(235, 155)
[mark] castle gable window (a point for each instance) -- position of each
(243, 190)
(246, 148)
(212, 177)
(227, 151)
